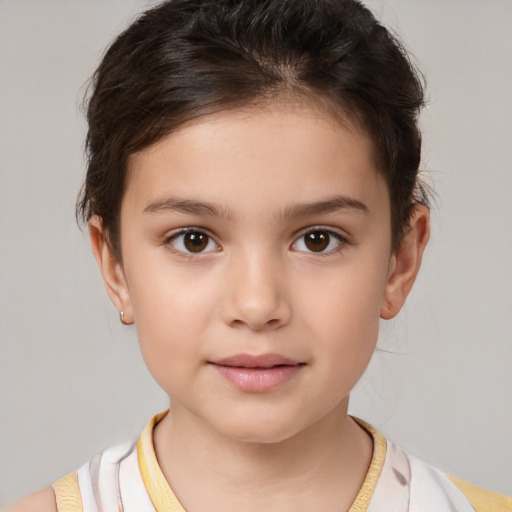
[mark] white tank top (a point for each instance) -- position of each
(127, 478)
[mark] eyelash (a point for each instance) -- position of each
(340, 239)
(191, 230)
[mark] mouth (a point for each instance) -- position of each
(257, 374)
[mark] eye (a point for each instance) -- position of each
(192, 241)
(319, 241)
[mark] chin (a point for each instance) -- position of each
(262, 436)
(260, 430)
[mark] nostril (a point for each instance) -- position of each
(255, 325)
(256, 302)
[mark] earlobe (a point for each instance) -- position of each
(111, 270)
(405, 263)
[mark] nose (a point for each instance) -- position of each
(256, 296)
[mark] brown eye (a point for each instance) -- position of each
(317, 241)
(193, 242)
(320, 241)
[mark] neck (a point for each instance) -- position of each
(322, 466)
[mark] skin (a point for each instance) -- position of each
(258, 288)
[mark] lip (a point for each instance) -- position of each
(257, 374)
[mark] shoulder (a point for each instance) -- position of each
(434, 486)
(408, 483)
(482, 499)
(42, 501)
(430, 485)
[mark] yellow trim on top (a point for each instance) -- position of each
(482, 499)
(165, 500)
(365, 494)
(157, 486)
(67, 493)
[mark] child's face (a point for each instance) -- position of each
(288, 257)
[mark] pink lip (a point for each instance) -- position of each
(257, 374)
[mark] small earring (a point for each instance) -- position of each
(121, 317)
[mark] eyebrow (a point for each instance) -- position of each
(330, 205)
(187, 206)
(192, 207)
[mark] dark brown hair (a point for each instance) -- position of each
(188, 58)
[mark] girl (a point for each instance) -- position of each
(254, 208)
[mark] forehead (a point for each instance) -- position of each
(276, 154)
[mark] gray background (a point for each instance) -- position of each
(71, 379)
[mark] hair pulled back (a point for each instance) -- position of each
(188, 58)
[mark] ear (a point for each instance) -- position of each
(405, 263)
(111, 270)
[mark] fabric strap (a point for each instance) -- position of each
(128, 478)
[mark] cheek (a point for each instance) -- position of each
(168, 294)
(342, 312)
(173, 306)
(347, 298)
